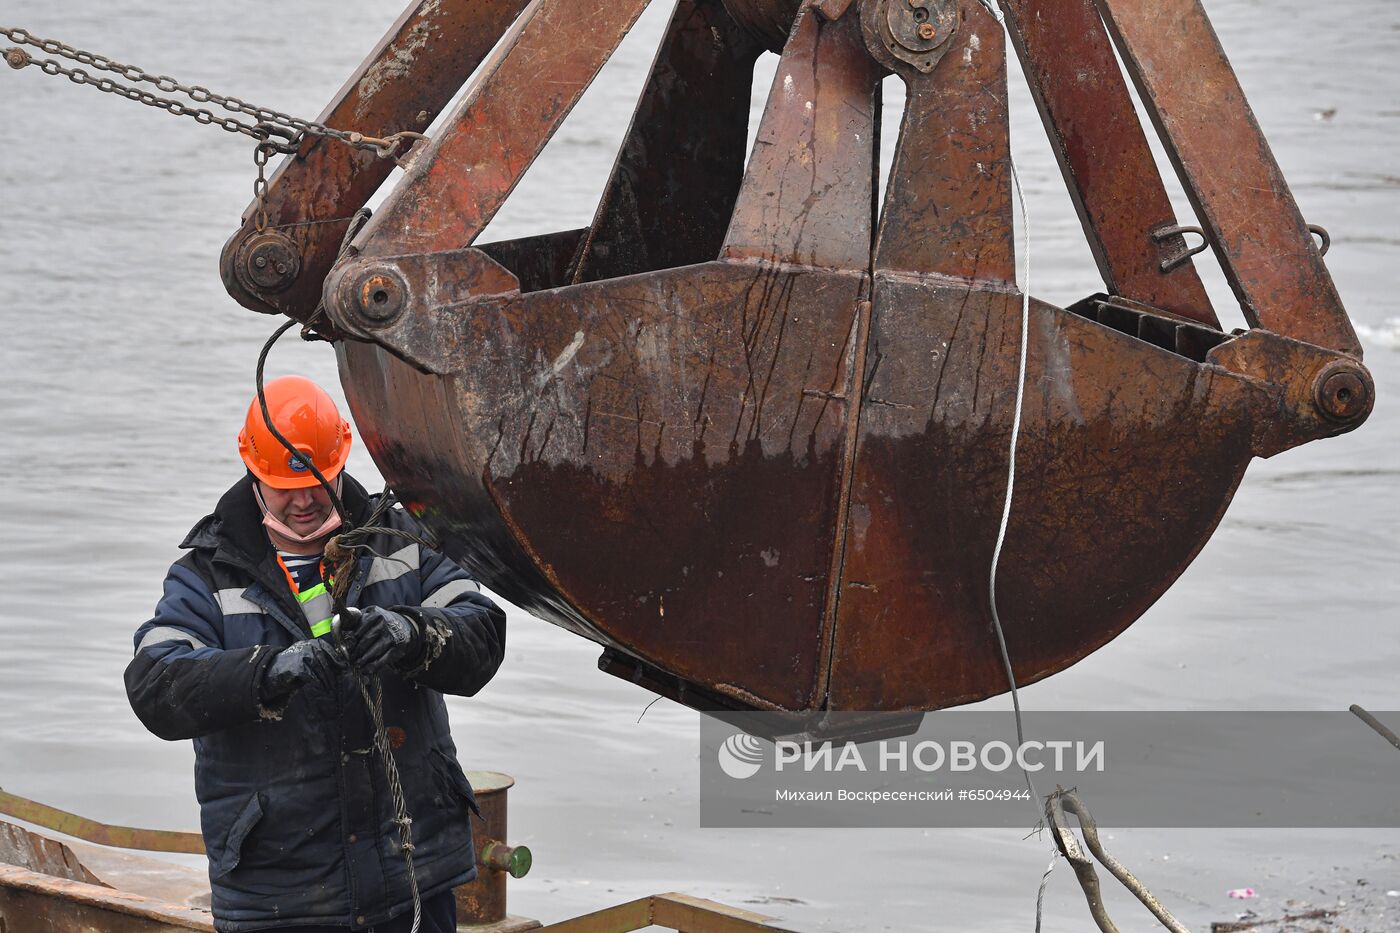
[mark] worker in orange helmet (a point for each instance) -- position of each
(297, 820)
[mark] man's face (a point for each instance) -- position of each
(302, 510)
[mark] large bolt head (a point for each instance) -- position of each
(379, 296)
(902, 33)
(1343, 392)
(267, 263)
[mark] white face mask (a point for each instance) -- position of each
(274, 524)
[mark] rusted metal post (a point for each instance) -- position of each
(481, 905)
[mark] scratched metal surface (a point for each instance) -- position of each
(125, 370)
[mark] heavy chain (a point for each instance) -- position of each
(268, 123)
(260, 157)
(18, 58)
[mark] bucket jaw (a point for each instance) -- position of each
(750, 429)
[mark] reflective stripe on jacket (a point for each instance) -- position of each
(279, 853)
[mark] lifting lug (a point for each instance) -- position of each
(1175, 235)
(1324, 238)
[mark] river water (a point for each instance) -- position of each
(125, 369)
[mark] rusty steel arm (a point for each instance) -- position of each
(808, 191)
(80, 827)
(454, 187)
(1238, 191)
(1103, 153)
(409, 77)
(947, 207)
(684, 153)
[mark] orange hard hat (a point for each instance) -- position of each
(306, 415)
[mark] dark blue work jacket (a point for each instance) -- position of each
(297, 818)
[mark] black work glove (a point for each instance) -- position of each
(314, 659)
(383, 638)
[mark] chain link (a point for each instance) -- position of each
(292, 129)
(260, 155)
(109, 86)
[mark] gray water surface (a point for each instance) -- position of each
(125, 371)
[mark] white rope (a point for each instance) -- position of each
(1006, 516)
(1024, 278)
(1011, 476)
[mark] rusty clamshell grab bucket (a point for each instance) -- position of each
(749, 429)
